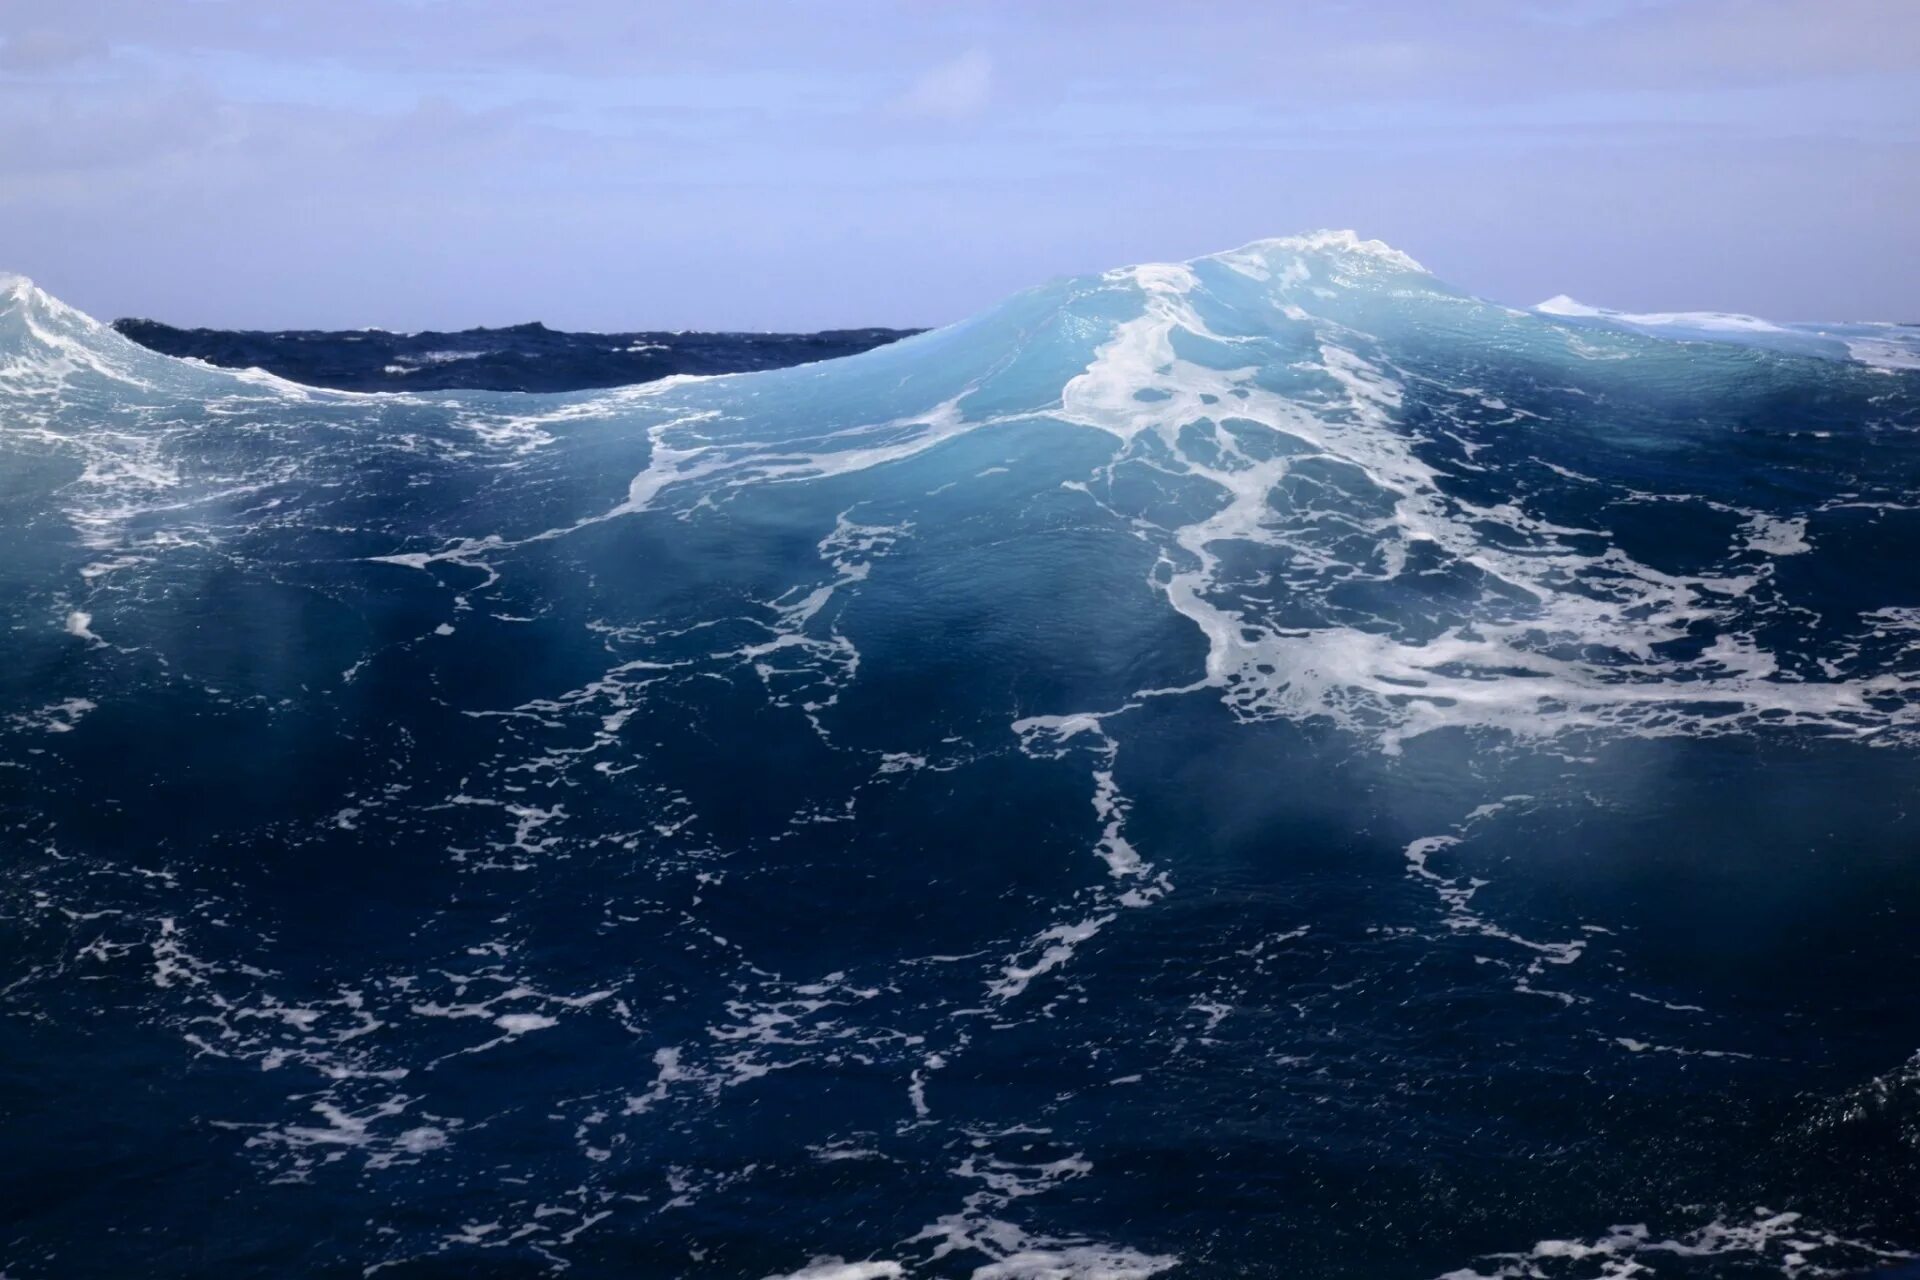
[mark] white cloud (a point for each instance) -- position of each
(954, 90)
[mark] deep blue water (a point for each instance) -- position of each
(520, 357)
(1261, 767)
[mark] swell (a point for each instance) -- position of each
(523, 358)
(1294, 428)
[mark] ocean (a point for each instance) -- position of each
(1266, 766)
(520, 357)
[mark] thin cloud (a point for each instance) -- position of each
(959, 89)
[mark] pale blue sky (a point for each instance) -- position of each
(724, 164)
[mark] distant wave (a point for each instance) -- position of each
(522, 357)
(1882, 346)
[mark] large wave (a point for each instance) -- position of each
(1357, 528)
(789, 777)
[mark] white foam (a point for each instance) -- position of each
(55, 717)
(1076, 1262)
(1049, 949)
(1256, 259)
(1707, 321)
(1780, 1241)
(1014, 1253)
(518, 1024)
(1885, 353)
(1775, 536)
(832, 1268)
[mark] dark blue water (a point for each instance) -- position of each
(521, 357)
(1260, 767)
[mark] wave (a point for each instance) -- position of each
(524, 357)
(1155, 743)
(1883, 346)
(1378, 499)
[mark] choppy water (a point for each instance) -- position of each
(1266, 766)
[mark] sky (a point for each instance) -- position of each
(753, 164)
